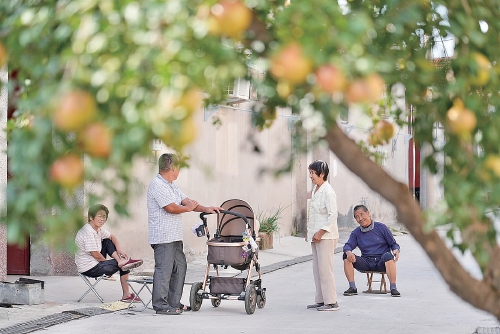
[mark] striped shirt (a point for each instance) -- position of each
(164, 227)
(88, 240)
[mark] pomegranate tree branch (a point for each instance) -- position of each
(478, 293)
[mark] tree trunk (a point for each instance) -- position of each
(478, 293)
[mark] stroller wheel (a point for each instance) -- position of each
(194, 298)
(250, 299)
(215, 302)
(261, 299)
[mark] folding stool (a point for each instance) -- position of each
(144, 283)
(91, 286)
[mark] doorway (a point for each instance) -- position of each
(18, 256)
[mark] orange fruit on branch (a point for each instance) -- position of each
(74, 110)
(67, 171)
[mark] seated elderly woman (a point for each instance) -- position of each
(95, 243)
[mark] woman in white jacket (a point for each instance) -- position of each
(323, 233)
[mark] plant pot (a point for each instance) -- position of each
(266, 241)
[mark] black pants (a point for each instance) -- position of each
(108, 267)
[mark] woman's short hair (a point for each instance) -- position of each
(167, 161)
(93, 210)
(318, 167)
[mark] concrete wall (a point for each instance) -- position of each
(3, 171)
(45, 261)
(300, 178)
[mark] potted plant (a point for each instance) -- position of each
(268, 226)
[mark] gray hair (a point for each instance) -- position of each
(167, 161)
(360, 207)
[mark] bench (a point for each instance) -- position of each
(369, 277)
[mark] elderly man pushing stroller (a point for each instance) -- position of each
(166, 202)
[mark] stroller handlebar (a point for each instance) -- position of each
(237, 214)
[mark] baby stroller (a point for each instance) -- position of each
(234, 244)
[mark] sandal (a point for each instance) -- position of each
(170, 311)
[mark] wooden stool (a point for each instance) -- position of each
(369, 277)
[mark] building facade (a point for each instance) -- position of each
(223, 165)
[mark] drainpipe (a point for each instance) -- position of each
(3, 173)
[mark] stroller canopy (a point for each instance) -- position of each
(230, 225)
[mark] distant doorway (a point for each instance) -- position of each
(18, 256)
(18, 259)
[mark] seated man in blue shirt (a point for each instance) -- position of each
(379, 250)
